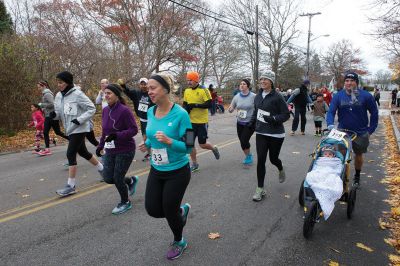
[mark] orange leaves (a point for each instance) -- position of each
(214, 236)
(364, 247)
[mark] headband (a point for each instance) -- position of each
(162, 81)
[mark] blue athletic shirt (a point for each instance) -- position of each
(354, 116)
(174, 126)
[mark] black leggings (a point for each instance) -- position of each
(263, 145)
(76, 145)
(48, 124)
(244, 133)
(92, 138)
(299, 111)
(164, 193)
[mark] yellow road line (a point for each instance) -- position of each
(25, 210)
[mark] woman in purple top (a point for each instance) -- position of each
(118, 144)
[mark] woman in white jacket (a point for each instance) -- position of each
(75, 110)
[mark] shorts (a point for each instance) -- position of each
(318, 123)
(200, 131)
(143, 126)
(361, 143)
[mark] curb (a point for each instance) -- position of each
(396, 132)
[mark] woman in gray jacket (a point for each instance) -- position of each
(75, 110)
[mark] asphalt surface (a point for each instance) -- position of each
(38, 228)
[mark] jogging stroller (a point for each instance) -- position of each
(312, 200)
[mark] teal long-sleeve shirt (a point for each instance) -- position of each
(174, 126)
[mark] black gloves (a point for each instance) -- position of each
(269, 119)
(252, 125)
(111, 137)
(189, 107)
(76, 122)
(52, 115)
(98, 151)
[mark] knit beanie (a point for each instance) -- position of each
(115, 88)
(66, 76)
(193, 76)
(351, 75)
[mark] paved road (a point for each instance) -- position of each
(37, 228)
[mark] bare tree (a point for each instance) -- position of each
(383, 78)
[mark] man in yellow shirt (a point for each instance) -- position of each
(196, 101)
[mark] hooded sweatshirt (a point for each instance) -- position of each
(37, 120)
(47, 103)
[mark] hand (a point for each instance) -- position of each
(121, 82)
(188, 108)
(142, 147)
(52, 115)
(76, 122)
(269, 119)
(98, 151)
(161, 137)
(252, 125)
(111, 137)
(40, 104)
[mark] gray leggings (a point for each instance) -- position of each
(115, 168)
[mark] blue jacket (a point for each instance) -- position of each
(354, 116)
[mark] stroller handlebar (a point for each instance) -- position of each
(352, 134)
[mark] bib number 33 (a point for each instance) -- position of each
(159, 156)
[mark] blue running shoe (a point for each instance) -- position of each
(122, 207)
(248, 160)
(194, 167)
(66, 191)
(132, 185)
(185, 208)
(176, 249)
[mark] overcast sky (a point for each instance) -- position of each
(341, 19)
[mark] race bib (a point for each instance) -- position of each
(260, 115)
(109, 145)
(336, 134)
(242, 114)
(143, 107)
(70, 109)
(159, 156)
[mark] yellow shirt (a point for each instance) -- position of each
(199, 96)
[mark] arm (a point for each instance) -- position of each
(48, 101)
(180, 145)
(330, 117)
(374, 115)
(290, 98)
(99, 98)
(284, 114)
(86, 104)
(205, 105)
(101, 142)
(309, 99)
(39, 121)
(130, 123)
(232, 107)
(131, 93)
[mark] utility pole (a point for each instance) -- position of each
(309, 15)
(257, 63)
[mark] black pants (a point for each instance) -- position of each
(263, 145)
(115, 168)
(48, 124)
(92, 138)
(76, 145)
(164, 193)
(318, 124)
(244, 133)
(299, 111)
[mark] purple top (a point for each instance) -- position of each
(119, 119)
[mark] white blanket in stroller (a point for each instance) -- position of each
(324, 180)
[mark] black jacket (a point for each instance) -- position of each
(139, 97)
(301, 99)
(275, 105)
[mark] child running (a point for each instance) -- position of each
(320, 109)
(37, 122)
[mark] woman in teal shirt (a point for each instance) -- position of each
(170, 171)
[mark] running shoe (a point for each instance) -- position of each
(66, 164)
(260, 193)
(292, 133)
(194, 167)
(185, 208)
(146, 158)
(282, 176)
(122, 207)
(303, 133)
(216, 152)
(36, 151)
(176, 249)
(66, 191)
(55, 141)
(248, 160)
(356, 182)
(45, 152)
(132, 185)
(101, 175)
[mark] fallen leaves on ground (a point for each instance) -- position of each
(333, 263)
(334, 249)
(214, 236)
(395, 259)
(362, 246)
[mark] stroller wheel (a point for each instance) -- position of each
(310, 218)
(351, 201)
(301, 194)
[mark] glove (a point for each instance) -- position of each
(269, 119)
(330, 127)
(189, 107)
(76, 122)
(98, 151)
(52, 115)
(111, 137)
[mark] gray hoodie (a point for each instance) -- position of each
(47, 103)
(74, 105)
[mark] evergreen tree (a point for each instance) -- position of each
(5, 20)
